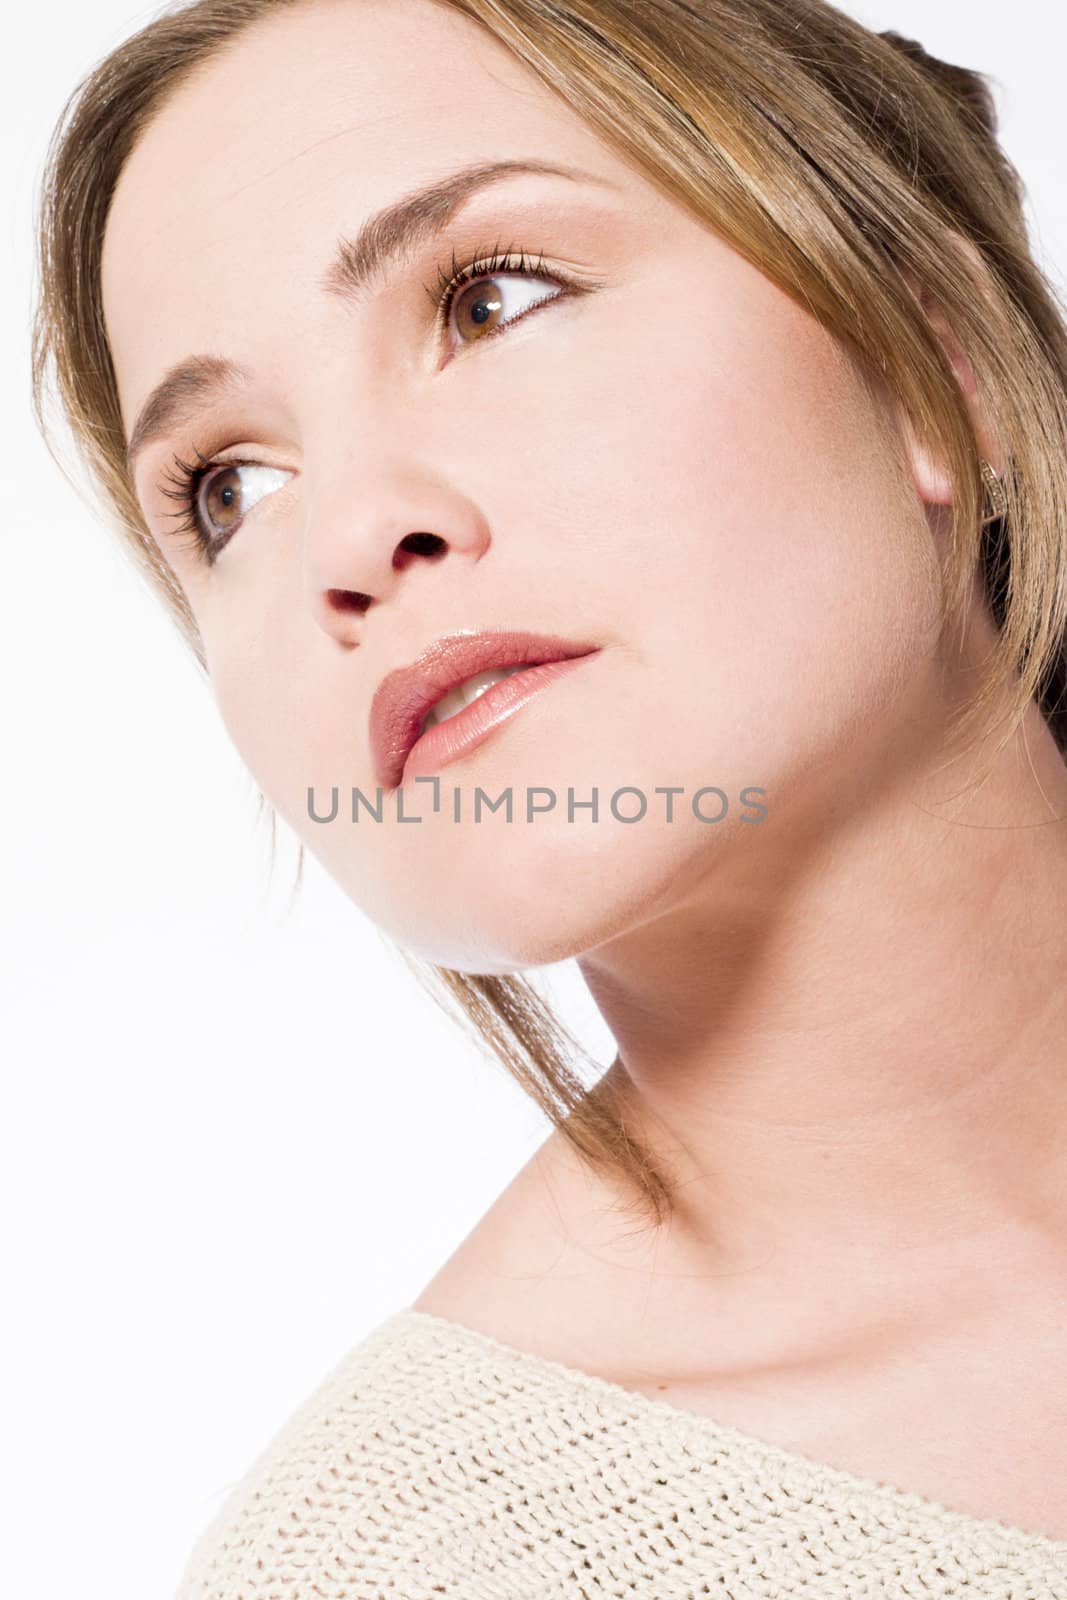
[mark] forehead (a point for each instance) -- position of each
(233, 200)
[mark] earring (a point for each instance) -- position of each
(997, 497)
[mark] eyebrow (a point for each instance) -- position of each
(382, 242)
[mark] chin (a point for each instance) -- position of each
(511, 907)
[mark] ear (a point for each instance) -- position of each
(929, 472)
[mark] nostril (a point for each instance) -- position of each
(347, 600)
(413, 544)
(418, 544)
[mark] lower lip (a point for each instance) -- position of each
(459, 735)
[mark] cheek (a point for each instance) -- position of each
(282, 689)
(737, 504)
(295, 712)
(257, 700)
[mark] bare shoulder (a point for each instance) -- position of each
(534, 1268)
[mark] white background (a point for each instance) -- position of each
(235, 1137)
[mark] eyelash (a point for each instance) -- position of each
(185, 478)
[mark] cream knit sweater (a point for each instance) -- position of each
(435, 1461)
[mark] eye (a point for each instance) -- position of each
(215, 497)
(480, 308)
(485, 294)
(225, 497)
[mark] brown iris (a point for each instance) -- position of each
(222, 499)
(479, 305)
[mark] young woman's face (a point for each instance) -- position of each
(636, 442)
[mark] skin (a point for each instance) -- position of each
(844, 1025)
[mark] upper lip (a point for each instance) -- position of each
(404, 697)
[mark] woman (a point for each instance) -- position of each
(684, 368)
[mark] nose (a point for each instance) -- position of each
(367, 542)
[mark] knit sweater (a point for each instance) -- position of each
(435, 1461)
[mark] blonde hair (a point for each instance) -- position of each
(834, 159)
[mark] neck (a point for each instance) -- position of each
(855, 1064)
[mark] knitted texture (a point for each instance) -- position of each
(435, 1461)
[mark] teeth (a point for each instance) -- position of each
(465, 693)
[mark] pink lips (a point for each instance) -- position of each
(405, 697)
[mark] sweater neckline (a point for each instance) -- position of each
(806, 1468)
